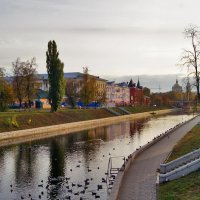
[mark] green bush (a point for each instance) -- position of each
(11, 122)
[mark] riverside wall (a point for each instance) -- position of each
(19, 136)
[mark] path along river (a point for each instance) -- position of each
(72, 166)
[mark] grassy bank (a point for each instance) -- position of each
(18, 120)
(33, 119)
(139, 109)
(186, 187)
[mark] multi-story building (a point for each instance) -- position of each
(117, 94)
(77, 80)
(137, 96)
(42, 82)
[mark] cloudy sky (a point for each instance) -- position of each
(111, 37)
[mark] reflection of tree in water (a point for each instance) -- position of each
(87, 142)
(98, 133)
(90, 139)
(25, 161)
(57, 162)
(70, 145)
(137, 126)
(24, 164)
(90, 147)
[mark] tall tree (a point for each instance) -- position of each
(55, 75)
(191, 57)
(24, 80)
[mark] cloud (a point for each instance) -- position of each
(111, 36)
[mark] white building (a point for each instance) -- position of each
(117, 94)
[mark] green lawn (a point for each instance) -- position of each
(24, 119)
(39, 118)
(185, 188)
(188, 187)
(188, 143)
(139, 109)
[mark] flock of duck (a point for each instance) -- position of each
(65, 188)
(70, 189)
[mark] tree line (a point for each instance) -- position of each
(23, 84)
(24, 80)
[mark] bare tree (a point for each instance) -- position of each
(191, 58)
(18, 81)
(24, 79)
(72, 91)
(30, 76)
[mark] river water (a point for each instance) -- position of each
(72, 166)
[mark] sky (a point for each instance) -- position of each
(110, 37)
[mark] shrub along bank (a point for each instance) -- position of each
(186, 187)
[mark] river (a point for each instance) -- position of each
(72, 166)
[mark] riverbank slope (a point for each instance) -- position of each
(186, 187)
(65, 128)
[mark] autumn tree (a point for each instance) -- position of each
(101, 98)
(88, 91)
(6, 92)
(24, 80)
(55, 75)
(191, 57)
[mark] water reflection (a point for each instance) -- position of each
(73, 165)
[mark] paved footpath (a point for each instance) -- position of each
(139, 183)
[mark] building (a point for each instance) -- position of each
(42, 82)
(42, 97)
(176, 87)
(137, 96)
(117, 94)
(76, 79)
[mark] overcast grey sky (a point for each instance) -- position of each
(111, 37)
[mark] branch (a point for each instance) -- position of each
(189, 52)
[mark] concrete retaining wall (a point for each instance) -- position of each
(181, 171)
(167, 167)
(118, 180)
(49, 131)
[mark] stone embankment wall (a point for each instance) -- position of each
(49, 131)
(180, 167)
(167, 167)
(180, 172)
